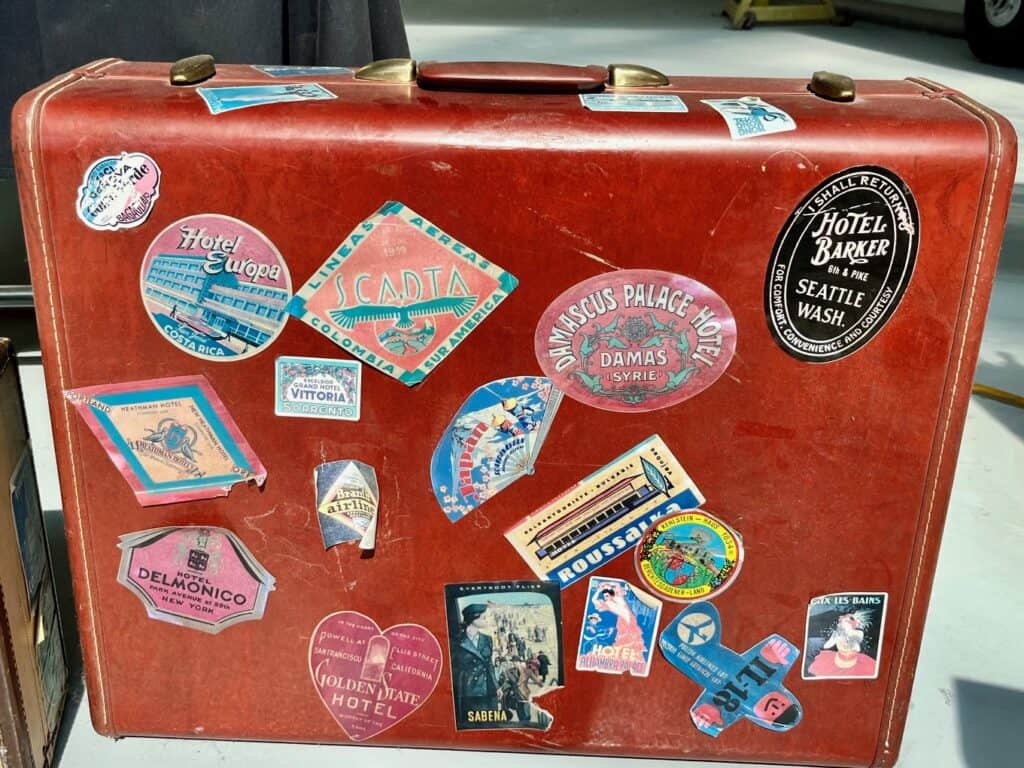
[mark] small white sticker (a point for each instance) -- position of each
(118, 191)
(632, 102)
(750, 116)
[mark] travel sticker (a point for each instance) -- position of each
(750, 116)
(369, 679)
(50, 661)
(317, 388)
(292, 70)
(635, 340)
(841, 264)
(400, 294)
(172, 439)
(620, 629)
(232, 97)
(604, 514)
(688, 556)
(118, 191)
(347, 498)
(28, 523)
(844, 636)
(492, 441)
(505, 641)
(632, 102)
(735, 686)
(194, 576)
(215, 287)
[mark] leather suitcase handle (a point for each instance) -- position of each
(510, 76)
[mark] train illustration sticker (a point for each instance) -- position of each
(735, 686)
(492, 441)
(215, 287)
(400, 294)
(347, 499)
(368, 678)
(197, 577)
(635, 340)
(172, 439)
(751, 116)
(841, 264)
(844, 636)
(604, 514)
(505, 641)
(620, 629)
(118, 191)
(688, 556)
(232, 97)
(318, 388)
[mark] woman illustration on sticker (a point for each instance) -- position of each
(611, 597)
(475, 685)
(846, 660)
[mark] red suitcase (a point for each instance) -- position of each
(837, 241)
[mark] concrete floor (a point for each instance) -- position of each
(969, 692)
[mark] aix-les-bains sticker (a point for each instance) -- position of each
(215, 287)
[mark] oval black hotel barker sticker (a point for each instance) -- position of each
(841, 264)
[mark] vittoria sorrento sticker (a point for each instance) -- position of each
(215, 287)
(119, 191)
(635, 340)
(841, 264)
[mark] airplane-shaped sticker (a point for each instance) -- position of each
(735, 686)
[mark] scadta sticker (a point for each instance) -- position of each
(688, 556)
(620, 629)
(198, 577)
(635, 340)
(841, 264)
(215, 287)
(735, 686)
(319, 388)
(118, 191)
(371, 679)
(750, 116)
(230, 98)
(400, 294)
(844, 636)
(492, 441)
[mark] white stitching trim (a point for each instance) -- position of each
(35, 108)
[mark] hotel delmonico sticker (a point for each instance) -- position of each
(400, 294)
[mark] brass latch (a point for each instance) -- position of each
(192, 69)
(829, 85)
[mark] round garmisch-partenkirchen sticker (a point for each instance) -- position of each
(841, 264)
(689, 556)
(215, 287)
(118, 191)
(635, 340)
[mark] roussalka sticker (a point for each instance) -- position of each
(635, 340)
(841, 264)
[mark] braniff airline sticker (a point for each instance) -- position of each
(604, 514)
(632, 102)
(292, 70)
(232, 97)
(317, 388)
(118, 191)
(620, 629)
(841, 264)
(368, 678)
(750, 116)
(401, 294)
(347, 499)
(215, 287)
(844, 636)
(735, 686)
(505, 642)
(492, 441)
(194, 576)
(688, 556)
(635, 340)
(172, 439)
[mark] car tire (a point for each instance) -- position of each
(995, 31)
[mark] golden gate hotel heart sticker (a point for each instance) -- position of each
(400, 294)
(635, 340)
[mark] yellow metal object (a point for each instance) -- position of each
(389, 71)
(744, 14)
(833, 87)
(998, 394)
(634, 76)
(193, 69)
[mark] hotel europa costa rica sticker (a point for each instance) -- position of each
(215, 287)
(635, 340)
(841, 264)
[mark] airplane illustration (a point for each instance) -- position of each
(735, 686)
(402, 314)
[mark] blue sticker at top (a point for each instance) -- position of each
(232, 97)
(290, 70)
(735, 686)
(492, 441)
(633, 102)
